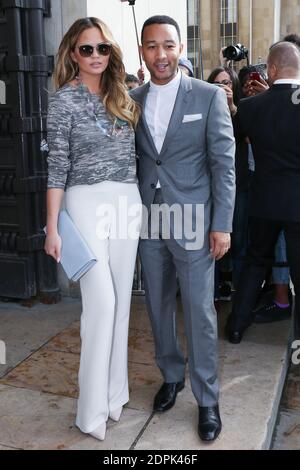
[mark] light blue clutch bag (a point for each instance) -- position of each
(76, 256)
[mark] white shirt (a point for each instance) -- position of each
(287, 81)
(158, 110)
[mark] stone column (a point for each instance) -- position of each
(210, 34)
(290, 17)
(263, 28)
(244, 22)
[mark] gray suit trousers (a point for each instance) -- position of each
(161, 259)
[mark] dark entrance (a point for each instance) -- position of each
(25, 270)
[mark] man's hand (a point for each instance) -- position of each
(141, 75)
(223, 61)
(219, 244)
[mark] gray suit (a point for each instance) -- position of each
(195, 166)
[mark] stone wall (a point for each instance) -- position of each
(290, 17)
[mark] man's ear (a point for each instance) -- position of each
(273, 70)
(181, 48)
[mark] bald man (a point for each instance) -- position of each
(271, 120)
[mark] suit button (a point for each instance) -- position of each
(153, 186)
(158, 162)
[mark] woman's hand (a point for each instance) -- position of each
(229, 94)
(255, 87)
(53, 246)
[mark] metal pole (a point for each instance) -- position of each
(137, 35)
(132, 3)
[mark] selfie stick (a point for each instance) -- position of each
(132, 3)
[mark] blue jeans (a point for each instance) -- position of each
(281, 275)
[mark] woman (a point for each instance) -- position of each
(91, 143)
(227, 78)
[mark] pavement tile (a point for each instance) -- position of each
(33, 420)
(25, 330)
(47, 371)
(291, 396)
(67, 341)
(287, 434)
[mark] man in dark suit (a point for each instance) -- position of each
(272, 122)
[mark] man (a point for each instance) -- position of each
(186, 66)
(186, 150)
(272, 121)
(131, 81)
(280, 308)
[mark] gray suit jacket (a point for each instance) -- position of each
(196, 163)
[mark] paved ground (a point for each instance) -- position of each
(38, 388)
(287, 433)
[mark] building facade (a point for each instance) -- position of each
(119, 17)
(256, 24)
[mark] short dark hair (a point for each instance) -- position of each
(161, 19)
(131, 78)
(294, 38)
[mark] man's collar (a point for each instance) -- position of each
(287, 81)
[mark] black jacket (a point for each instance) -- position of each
(271, 120)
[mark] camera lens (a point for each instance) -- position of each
(235, 53)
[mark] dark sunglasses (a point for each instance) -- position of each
(86, 50)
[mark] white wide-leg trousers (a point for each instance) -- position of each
(105, 213)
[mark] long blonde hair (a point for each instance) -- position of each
(114, 93)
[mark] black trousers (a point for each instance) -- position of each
(263, 235)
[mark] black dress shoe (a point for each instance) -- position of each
(235, 337)
(210, 424)
(233, 334)
(271, 313)
(166, 396)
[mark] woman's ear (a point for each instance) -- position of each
(73, 57)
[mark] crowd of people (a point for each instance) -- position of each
(228, 146)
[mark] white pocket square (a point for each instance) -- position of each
(191, 117)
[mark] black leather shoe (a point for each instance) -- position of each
(235, 337)
(210, 424)
(166, 396)
(233, 334)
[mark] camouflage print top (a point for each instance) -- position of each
(86, 144)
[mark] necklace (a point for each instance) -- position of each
(114, 128)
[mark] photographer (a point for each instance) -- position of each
(253, 81)
(226, 78)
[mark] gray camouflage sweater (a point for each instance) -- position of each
(86, 145)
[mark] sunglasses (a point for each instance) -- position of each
(86, 50)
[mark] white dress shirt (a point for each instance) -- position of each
(287, 81)
(158, 110)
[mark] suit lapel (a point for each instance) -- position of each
(178, 112)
